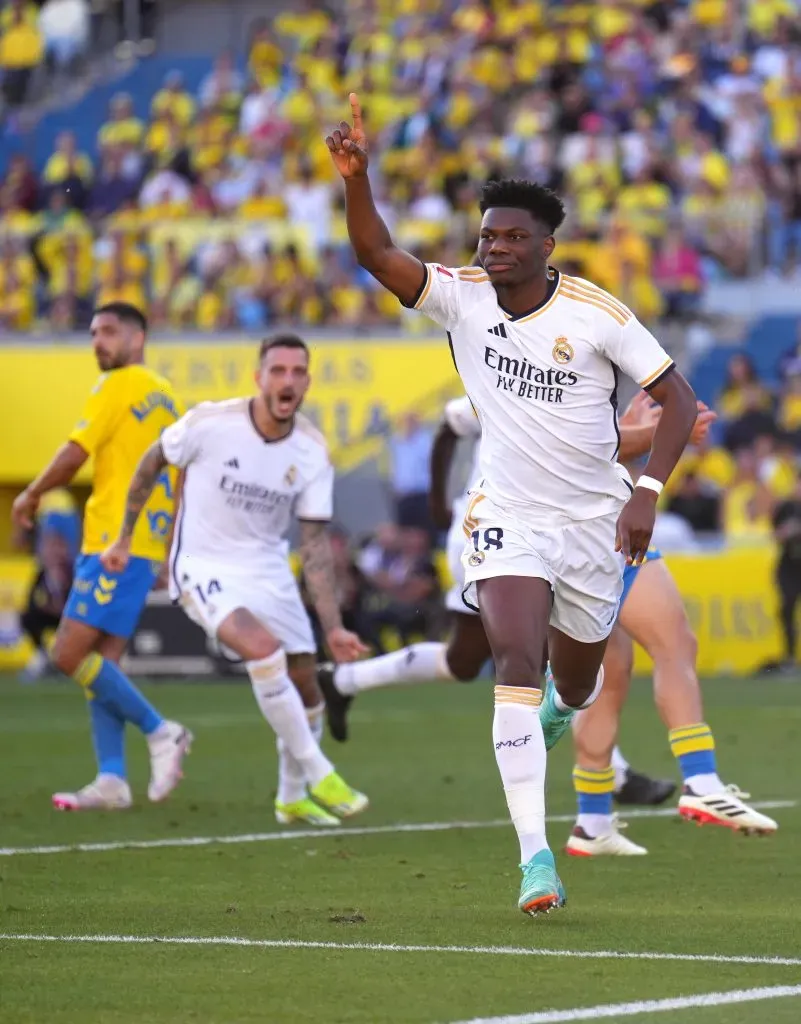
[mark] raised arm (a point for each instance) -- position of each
(63, 467)
(318, 572)
(115, 557)
(397, 270)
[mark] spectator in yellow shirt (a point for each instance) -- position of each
(123, 128)
(69, 170)
(742, 382)
(173, 98)
(748, 504)
(122, 288)
(17, 303)
(265, 56)
(645, 204)
(21, 49)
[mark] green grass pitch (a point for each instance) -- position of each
(424, 756)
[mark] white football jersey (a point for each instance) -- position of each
(544, 387)
(240, 489)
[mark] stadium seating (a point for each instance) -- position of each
(673, 144)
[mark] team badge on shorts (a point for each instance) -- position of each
(290, 476)
(476, 558)
(562, 350)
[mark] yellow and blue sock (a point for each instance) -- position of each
(594, 789)
(693, 746)
(106, 686)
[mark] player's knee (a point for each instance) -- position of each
(518, 668)
(65, 659)
(677, 645)
(463, 666)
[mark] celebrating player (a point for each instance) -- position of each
(467, 649)
(537, 352)
(127, 410)
(248, 462)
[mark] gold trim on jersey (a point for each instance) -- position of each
(470, 522)
(471, 270)
(426, 288)
(478, 278)
(547, 305)
(606, 307)
(593, 291)
(657, 373)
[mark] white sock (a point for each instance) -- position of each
(520, 753)
(599, 685)
(419, 663)
(291, 777)
(705, 783)
(621, 766)
(595, 824)
(281, 705)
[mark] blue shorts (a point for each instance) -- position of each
(630, 574)
(110, 602)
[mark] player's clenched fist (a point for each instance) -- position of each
(116, 557)
(348, 143)
(344, 645)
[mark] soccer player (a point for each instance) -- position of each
(248, 463)
(653, 614)
(128, 408)
(553, 516)
(467, 649)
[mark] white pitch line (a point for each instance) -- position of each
(325, 833)
(742, 995)
(381, 947)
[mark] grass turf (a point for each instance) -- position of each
(423, 755)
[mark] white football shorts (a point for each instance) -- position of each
(209, 591)
(578, 559)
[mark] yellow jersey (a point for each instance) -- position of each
(125, 413)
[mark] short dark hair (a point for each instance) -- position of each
(282, 341)
(542, 203)
(126, 312)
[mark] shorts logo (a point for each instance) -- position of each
(290, 476)
(476, 558)
(562, 350)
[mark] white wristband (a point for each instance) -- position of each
(650, 483)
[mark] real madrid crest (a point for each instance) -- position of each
(290, 476)
(476, 558)
(562, 350)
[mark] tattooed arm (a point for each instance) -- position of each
(318, 571)
(115, 557)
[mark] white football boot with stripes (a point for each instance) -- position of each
(105, 793)
(726, 807)
(168, 745)
(608, 844)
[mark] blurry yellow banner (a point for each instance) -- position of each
(358, 390)
(731, 600)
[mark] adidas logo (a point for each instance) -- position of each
(499, 331)
(232, 464)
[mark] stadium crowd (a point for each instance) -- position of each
(673, 129)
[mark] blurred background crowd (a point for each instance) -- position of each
(673, 129)
(200, 189)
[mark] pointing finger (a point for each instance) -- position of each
(356, 111)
